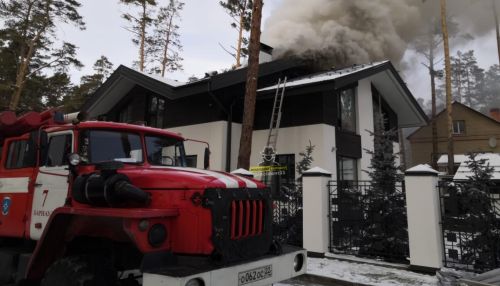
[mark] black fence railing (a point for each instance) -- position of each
(368, 221)
(287, 215)
(470, 221)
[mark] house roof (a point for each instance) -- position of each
(382, 75)
(493, 159)
(124, 79)
(462, 105)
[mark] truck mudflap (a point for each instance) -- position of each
(258, 272)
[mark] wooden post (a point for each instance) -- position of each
(444, 25)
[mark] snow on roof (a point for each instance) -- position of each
(493, 159)
(458, 159)
(170, 82)
(422, 168)
(326, 76)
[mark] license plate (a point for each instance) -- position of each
(256, 274)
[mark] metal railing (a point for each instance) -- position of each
(369, 222)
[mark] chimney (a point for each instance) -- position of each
(495, 113)
(266, 53)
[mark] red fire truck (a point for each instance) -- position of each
(101, 203)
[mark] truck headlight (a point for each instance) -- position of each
(195, 282)
(298, 262)
(74, 159)
(157, 235)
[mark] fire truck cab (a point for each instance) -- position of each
(101, 203)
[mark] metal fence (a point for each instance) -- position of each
(287, 215)
(470, 219)
(368, 221)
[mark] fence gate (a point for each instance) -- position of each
(287, 214)
(470, 220)
(368, 221)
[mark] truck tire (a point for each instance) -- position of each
(80, 271)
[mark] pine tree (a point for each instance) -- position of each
(241, 13)
(165, 42)
(385, 229)
(29, 32)
(305, 163)
(477, 210)
(140, 24)
(467, 79)
(88, 85)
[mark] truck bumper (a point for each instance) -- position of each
(265, 271)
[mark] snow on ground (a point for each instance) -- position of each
(366, 273)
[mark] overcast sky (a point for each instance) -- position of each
(204, 25)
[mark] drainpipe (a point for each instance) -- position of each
(229, 130)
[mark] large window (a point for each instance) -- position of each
(59, 149)
(164, 151)
(157, 110)
(20, 155)
(458, 127)
(347, 110)
(102, 146)
(348, 169)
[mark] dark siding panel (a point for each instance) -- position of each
(330, 109)
(297, 111)
(193, 110)
(348, 144)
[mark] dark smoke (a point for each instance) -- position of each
(346, 32)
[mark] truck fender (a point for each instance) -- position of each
(67, 223)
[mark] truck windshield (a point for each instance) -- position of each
(165, 151)
(102, 145)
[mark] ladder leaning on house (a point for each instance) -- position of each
(274, 126)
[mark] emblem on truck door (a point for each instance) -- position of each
(6, 205)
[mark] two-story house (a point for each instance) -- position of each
(472, 132)
(334, 110)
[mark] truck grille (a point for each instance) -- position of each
(247, 218)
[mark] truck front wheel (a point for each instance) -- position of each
(81, 271)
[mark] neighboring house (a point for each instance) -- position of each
(472, 132)
(334, 110)
(490, 159)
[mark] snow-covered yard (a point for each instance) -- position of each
(364, 273)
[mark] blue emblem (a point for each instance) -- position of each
(6, 205)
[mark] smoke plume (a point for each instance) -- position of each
(345, 32)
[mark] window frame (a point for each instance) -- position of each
(54, 134)
(85, 133)
(8, 155)
(353, 91)
(182, 151)
(154, 114)
(458, 125)
(340, 168)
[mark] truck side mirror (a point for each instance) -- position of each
(206, 159)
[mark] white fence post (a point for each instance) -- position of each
(424, 217)
(316, 235)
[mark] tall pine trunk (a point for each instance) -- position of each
(435, 150)
(143, 37)
(240, 38)
(164, 61)
(497, 28)
(447, 61)
(251, 87)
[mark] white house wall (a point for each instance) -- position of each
(365, 124)
(293, 140)
(214, 133)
